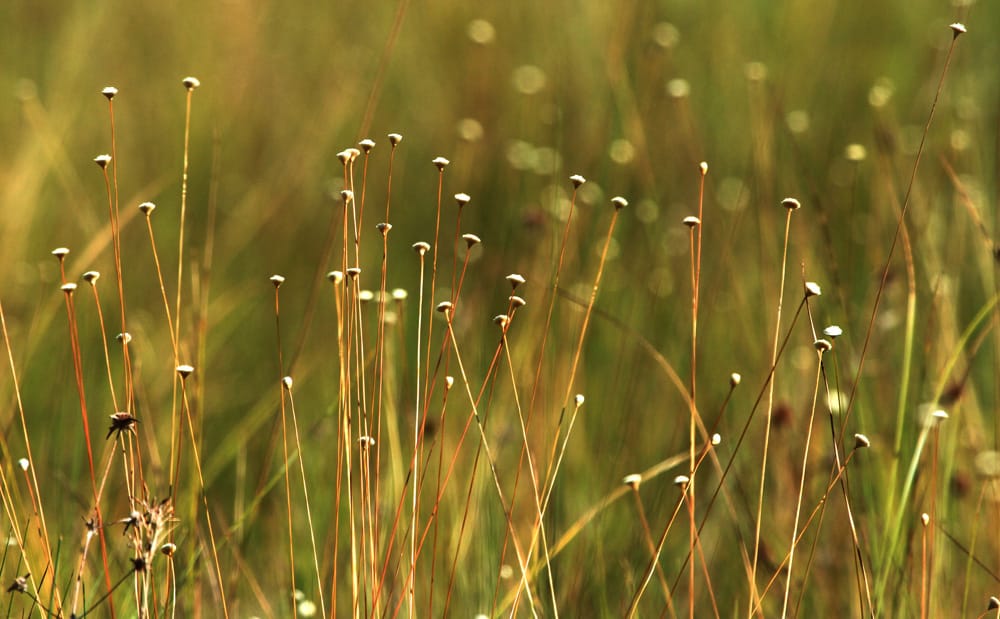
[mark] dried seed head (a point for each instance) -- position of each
(399, 294)
(168, 549)
(395, 139)
(24, 464)
(20, 584)
(191, 82)
(366, 442)
(703, 166)
(632, 481)
(354, 153)
(366, 296)
(925, 519)
(121, 422)
(449, 382)
(939, 415)
(344, 156)
(422, 247)
(125, 338)
(277, 280)
(958, 29)
(994, 603)
(501, 320)
(146, 208)
(577, 180)
(791, 204)
(682, 481)
(516, 301)
(813, 289)
(347, 196)
(833, 331)
(353, 272)
(286, 382)
(109, 92)
(440, 163)
(515, 280)
(462, 199)
(716, 439)
(578, 400)
(445, 307)
(822, 345)
(383, 228)
(691, 221)
(470, 240)
(185, 370)
(335, 276)
(734, 379)
(68, 288)
(367, 145)
(861, 441)
(619, 202)
(60, 252)
(102, 161)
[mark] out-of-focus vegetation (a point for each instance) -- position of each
(826, 102)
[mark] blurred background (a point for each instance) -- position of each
(823, 101)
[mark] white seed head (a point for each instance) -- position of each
(501, 320)
(185, 370)
(191, 82)
(421, 247)
(578, 400)
(813, 289)
(445, 306)
(24, 464)
(925, 519)
(734, 379)
(366, 296)
(440, 163)
(682, 481)
(855, 153)
(958, 28)
(399, 294)
(126, 338)
(993, 603)
(354, 153)
(395, 139)
(366, 442)
(102, 160)
(344, 156)
(716, 439)
(335, 276)
(367, 145)
(833, 331)
(91, 277)
(146, 208)
(109, 92)
(383, 227)
(703, 166)
(68, 288)
(515, 280)
(791, 204)
(286, 382)
(691, 221)
(939, 415)
(822, 345)
(516, 301)
(462, 199)
(168, 549)
(347, 196)
(577, 180)
(449, 382)
(277, 280)
(632, 481)
(470, 240)
(861, 441)
(60, 252)
(353, 272)
(619, 202)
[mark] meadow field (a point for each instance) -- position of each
(580, 309)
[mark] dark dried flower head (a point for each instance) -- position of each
(121, 422)
(20, 584)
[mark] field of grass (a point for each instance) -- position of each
(436, 309)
